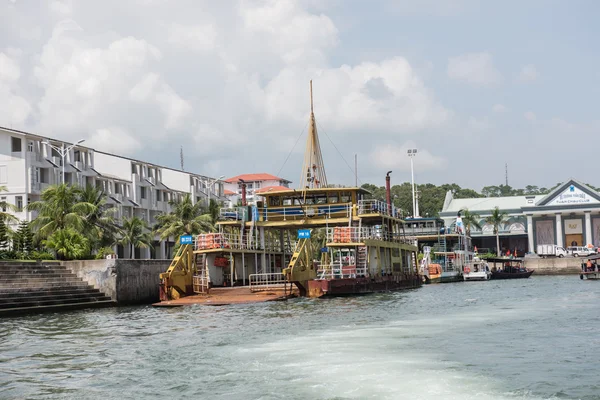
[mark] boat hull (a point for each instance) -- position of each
(511, 275)
(477, 276)
(432, 279)
(449, 277)
(354, 286)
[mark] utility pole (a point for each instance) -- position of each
(356, 170)
(181, 157)
(411, 153)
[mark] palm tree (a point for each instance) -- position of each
(469, 220)
(496, 219)
(68, 244)
(5, 206)
(135, 233)
(184, 219)
(59, 208)
(100, 224)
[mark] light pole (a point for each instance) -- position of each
(63, 153)
(210, 185)
(411, 153)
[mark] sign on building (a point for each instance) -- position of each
(572, 195)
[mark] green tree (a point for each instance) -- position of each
(68, 244)
(469, 220)
(496, 219)
(135, 233)
(23, 238)
(4, 236)
(99, 222)
(185, 218)
(59, 208)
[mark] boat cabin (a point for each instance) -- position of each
(506, 265)
(590, 267)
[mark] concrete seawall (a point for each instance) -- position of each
(125, 281)
(554, 266)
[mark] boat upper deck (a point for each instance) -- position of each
(311, 208)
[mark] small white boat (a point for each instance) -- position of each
(477, 270)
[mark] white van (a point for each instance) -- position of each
(578, 251)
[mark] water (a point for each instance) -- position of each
(523, 339)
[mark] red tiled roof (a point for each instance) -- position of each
(254, 178)
(271, 189)
(228, 192)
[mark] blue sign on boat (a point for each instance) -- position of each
(185, 239)
(303, 233)
(324, 249)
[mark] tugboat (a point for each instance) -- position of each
(322, 240)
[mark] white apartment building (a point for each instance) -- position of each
(28, 165)
(255, 184)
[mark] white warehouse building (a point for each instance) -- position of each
(28, 165)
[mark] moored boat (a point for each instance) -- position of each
(589, 268)
(477, 270)
(509, 268)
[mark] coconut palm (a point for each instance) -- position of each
(100, 224)
(5, 206)
(496, 219)
(185, 218)
(59, 208)
(469, 220)
(135, 233)
(68, 244)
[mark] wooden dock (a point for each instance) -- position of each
(229, 295)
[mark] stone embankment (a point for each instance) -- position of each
(554, 265)
(31, 287)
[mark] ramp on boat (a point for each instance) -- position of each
(230, 295)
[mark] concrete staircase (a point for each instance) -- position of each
(29, 287)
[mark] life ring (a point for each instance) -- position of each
(467, 270)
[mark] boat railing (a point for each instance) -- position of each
(338, 270)
(267, 281)
(354, 234)
(288, 212)
(200, 284)
(371, 206)
(211, 241)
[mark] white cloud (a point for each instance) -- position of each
(528, 73)
(62, 8)
(113, 140)
(201, 37)
(14, 109)
(474, 68)
(393, 156)
(499, 108)
(530, 116)
(479, 124)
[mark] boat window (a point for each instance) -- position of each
(274, 201)
(287, 202)
(309, 200)
(321, 199)
(346, 197)
(333, 198)
(297, 201)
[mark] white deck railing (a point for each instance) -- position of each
(377, 207)
(209, 241)
(337, 270)
(267, 281)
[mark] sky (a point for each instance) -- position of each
(472, 85)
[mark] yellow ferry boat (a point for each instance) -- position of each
(315, 240)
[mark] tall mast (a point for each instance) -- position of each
(313, 169)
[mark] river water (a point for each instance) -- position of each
(524, 339)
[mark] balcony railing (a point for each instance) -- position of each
(338, 270)
(211, 241)
(267, 281)
(288, 213)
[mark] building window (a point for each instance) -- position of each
(3, 202)
(15, 145)
(143, 192)
(44, 175)
(133, 169)
(30, 146)
(77, 156)
(19, 203)
(54, 153)
(158, 195)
